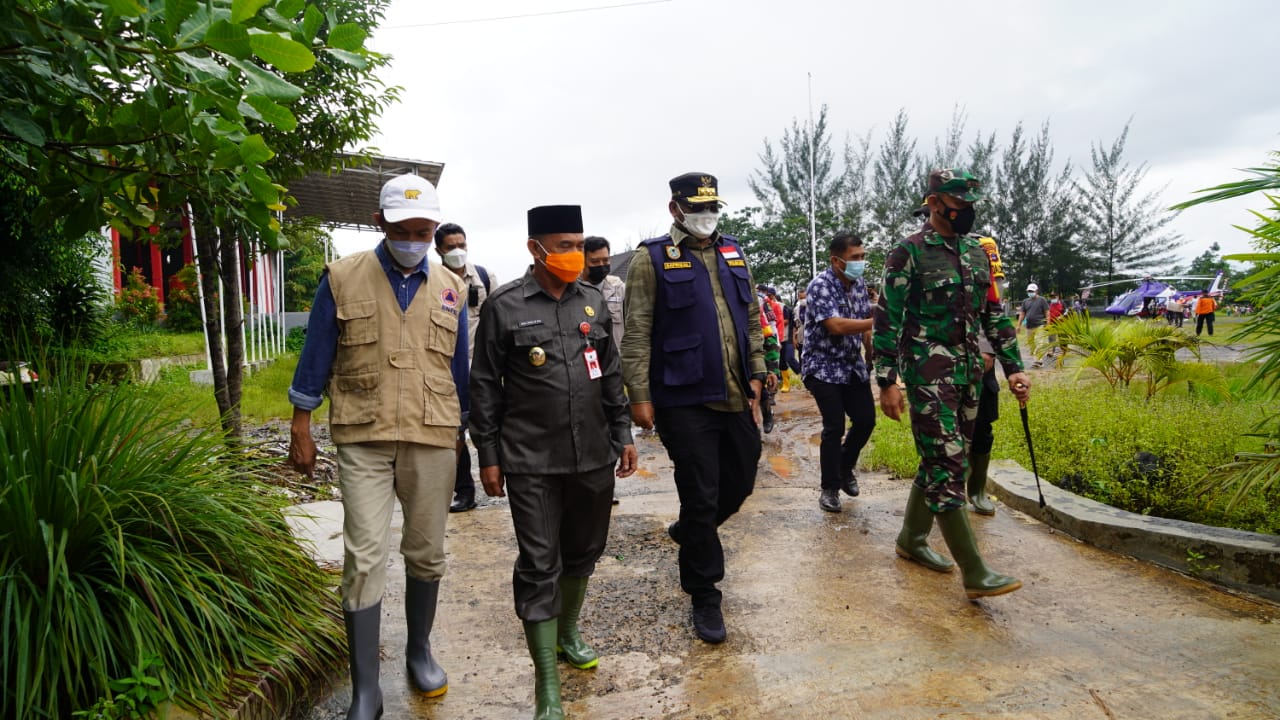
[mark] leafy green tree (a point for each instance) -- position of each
(771, 245)
(184, 104)
(304, 261)
(1209, 262)
(1256, 471)
(47, 289)
(1124, 230)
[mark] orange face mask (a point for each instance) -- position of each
(567, 265)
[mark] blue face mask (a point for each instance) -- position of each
(853, 269)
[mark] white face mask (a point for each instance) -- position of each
(408, 253)
(455, 258)
(700, 225)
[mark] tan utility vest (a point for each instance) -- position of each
(391, 376)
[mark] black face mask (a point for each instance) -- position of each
(597, 273)
(961, 219)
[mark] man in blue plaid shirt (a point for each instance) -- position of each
(837, 340)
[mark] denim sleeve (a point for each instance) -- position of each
(312, 374)
(461, 366)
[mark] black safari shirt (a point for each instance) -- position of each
(534, 408)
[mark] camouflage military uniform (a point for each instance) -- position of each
(932, 307)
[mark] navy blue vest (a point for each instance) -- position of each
(686, 361)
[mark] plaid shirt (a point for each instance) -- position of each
(835, 359)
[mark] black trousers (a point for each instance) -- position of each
(715, 456)
(789, 359)
(561, 523)
(464, 486)
(988, 413)
(836, 402)
(1202, 320)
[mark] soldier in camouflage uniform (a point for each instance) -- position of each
(931, 310)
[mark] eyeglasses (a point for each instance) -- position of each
(700, 207)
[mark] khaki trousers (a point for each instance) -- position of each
(372, 475)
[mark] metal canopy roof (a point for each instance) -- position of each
(348, 196)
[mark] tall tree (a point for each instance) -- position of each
(182, 102)
(1209, 262)
(1123, 228)
(304, 261)
(1032, 213)
(897, 183)
(782, 186)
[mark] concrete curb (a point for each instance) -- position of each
(1233, 558)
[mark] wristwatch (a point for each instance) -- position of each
(887, 380)
(760, 376)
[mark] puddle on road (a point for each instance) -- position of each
(781, 466)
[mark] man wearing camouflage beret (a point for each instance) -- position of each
(932, 309)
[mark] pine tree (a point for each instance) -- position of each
(1123, 229)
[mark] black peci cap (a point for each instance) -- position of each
(553, 219)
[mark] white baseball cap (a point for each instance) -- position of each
(1033, 288)
(409, 196)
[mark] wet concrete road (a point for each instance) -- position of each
(825, 622)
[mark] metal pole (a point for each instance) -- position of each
(195, 250)
(813, 221)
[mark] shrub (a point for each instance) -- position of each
(1119, 448)
(294, 340)
(182, 303)
(125, 537)
(138, 303)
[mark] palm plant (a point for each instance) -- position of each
(1252, 472)
(123, 537)
(1123, 351)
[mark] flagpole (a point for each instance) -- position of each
(813, 222)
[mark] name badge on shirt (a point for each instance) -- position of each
(737, 263)
(593, 364)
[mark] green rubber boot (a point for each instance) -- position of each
(541, 638)
(979, 580)
(977, 485)
(569, 642)
(913, 540)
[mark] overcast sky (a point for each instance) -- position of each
(600, 108)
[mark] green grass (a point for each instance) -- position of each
(123, 343)
(264, 397)
(1088, 436)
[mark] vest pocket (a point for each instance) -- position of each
(680, 290)
(356, 322)
(683, 362)
(443, 336)
(441, 401)
(743, 281)
(355, 398)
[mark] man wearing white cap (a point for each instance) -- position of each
(387, 341)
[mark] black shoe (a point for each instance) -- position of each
(708, 623)
(829, 500)
(672, 529)
(462, 505)
(850, 486)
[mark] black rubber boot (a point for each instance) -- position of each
(979, 580)
(977, 485)
(576, 651)
(913, 540)
(419, 615)
(541, 638)
(362, 646)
